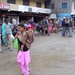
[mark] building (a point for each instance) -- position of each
(22, 9)
(63, 8)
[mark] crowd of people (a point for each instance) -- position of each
(47, 26)
(67, 26)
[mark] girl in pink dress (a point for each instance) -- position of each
(23, 57)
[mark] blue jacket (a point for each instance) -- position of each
(63, 23)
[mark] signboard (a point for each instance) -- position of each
(1, 5)
(30, 9)
(6, 6)
(22, 8)
(33, 9)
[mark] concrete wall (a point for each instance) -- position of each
(58, 6)
(19, 2)
(32, 2)
(73, 9)
(5, 1)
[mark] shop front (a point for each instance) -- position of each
(35, 13)
(61, 15)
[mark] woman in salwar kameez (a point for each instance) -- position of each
(4, 32)
(23, 57)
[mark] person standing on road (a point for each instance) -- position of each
(50, 27)
(8, 35)
(56, 24)
(45, 21)
(63, 26)
(23, 57)
(67, 26)
(70, 28)
(72, 24)
(4, 32)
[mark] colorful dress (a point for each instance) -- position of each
(4, 33)
(23, 57)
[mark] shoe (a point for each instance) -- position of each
(11, 49)
(29, 70)
(1, 51)
(8, 48)
(70, 36)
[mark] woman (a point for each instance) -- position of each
(23, 57)
(50, 27)
(4, 32)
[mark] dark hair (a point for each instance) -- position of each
(21, 25)
(5, 20)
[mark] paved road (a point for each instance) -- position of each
(50, 55)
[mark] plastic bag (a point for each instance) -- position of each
(16, 44)
(12, 37)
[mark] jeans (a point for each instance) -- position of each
(63, 31)
(66, 30)
(70, 31)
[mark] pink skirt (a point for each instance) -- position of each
(50, 28)
(23, 57)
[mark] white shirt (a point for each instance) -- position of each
(14, 21)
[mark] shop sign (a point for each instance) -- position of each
(6, 6)
(1, 5)
(33, 9)
(30, 9)
(42, 10)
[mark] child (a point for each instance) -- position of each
(14, 30)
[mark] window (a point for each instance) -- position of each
(46, 4)
(11, 1)
(26, 2)
(38, 4)
(52, 6)
(64, 5)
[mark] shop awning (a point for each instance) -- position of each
(73, 13)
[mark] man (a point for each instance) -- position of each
(8, 35)
(70, 28)
(45, 21)
(14, 21)
(63, 26)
